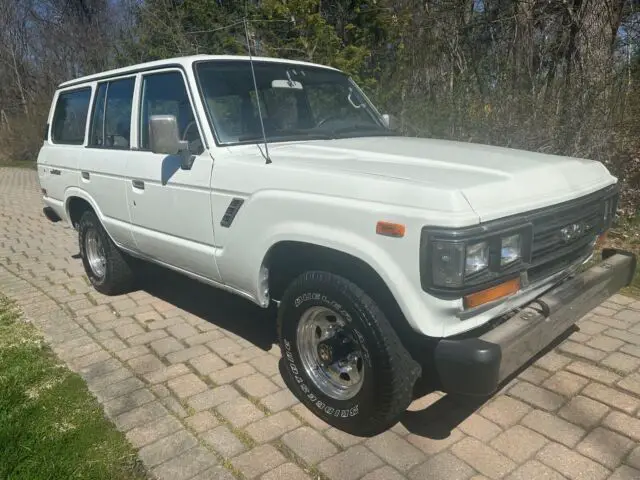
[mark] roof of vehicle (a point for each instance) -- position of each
(185, 61)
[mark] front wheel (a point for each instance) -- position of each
(341, 357)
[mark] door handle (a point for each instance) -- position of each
(55, 171)
(139, 184)
(85, 175)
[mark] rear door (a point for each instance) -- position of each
(170, 207)
(64, 143)
(109, 146)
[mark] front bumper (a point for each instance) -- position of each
(478, 365)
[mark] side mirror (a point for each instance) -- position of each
(389, 120)
(164, 138)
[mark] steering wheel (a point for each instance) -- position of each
(186, 130)
(196, 143)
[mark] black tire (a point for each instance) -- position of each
(119, 276)
(389, 371)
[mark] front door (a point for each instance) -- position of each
(170, 207)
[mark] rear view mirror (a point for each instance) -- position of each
(164, 138)
(289, 84)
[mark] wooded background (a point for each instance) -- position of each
(556, 76)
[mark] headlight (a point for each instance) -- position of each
(453, 261)
(477, 258)
(448, 264)
(511, 249)
(467, 259)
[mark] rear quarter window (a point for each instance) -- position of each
(70, 117)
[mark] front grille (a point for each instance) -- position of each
(554, 238)
(566, 235)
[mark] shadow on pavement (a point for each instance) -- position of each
(440, 418)
(223, 309)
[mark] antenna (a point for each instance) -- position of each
(255, 87)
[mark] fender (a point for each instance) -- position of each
(120, 232)
(327, 221)
(397, 281)
(72, 192)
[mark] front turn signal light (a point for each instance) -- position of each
(490, 294)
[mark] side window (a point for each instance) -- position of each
(70, 117)
(165, 94)
(111, 122)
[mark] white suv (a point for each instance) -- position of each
(391, 258)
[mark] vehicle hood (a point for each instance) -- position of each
(496, 181)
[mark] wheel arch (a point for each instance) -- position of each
(287, 259)
(76, 207)
(76, 203)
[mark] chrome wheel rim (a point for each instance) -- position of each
(95, 253)
(331, 357)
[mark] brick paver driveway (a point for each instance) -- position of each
(191, 375)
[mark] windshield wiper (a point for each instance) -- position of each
(300, 134)
(290, 135)
(368, 130)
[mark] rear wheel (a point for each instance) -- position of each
(341, 356)
(107, 268)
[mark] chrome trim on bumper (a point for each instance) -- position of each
(531, 330)
(477, 365)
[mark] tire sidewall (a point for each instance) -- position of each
(314, 292)
(89, 222)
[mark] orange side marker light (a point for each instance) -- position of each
(389, 229)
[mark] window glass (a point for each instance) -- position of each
(229, 110)
(96, 137)
(296, 102)
(282, 108)
(165, 94)
(70, 117)
(111, 123)
(326, 101)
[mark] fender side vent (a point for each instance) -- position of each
(231, 212)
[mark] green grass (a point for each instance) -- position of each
(51, 427)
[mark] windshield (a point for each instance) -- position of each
(296, 102)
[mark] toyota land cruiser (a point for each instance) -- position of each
(390, 258)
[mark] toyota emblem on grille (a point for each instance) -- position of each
(571, 232)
